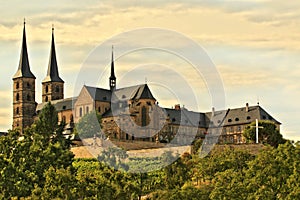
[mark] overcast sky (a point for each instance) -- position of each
(254, 45)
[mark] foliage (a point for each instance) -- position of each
(114, 157)
(268, 134)
(26, 158)
(89, 125)
(273, 174)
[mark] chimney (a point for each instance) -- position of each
(247, 107)
(213, 111)
(177, 106)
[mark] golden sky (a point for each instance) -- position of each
(255, 46)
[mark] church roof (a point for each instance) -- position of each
(133, 92)
(99, 94)
(60, 105)
(24, 67)
(52, 73)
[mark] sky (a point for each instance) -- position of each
(254, 47)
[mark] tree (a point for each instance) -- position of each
(89, 125)
(24, 158)
(269, 134)
(273, 174)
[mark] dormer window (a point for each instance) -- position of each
(229, 120)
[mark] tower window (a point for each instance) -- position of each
(28, 97)
(17, 111)
(46, 89)
(17, 85)
(28, 85)
(17, 97)
(46, 99)
(57, 89)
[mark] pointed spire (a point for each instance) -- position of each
(52, 73)
(24, 67)
(112, 67)
(112, 78)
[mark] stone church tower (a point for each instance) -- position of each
(53, 85)
(24, 104)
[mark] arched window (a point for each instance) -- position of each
(87, 109)
(144, 110)
(46, 99)
(80, 112)
(17, 97)
(17, 85)
(71, 118)
(28, 85)
(99, 109)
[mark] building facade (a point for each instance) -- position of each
(130, 113)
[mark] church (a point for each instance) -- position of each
(130, 113)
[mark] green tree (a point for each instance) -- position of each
(89, 125)
(26, 157)
(268, 134)
(273, 174)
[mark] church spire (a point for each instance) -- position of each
(52, 73)
(112, 78)
(24, 67)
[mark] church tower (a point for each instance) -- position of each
(52, 85)
(112, 78)
(24, 104)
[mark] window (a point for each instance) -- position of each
(229, 120)
(17, 97)
(123, 96)
(17, 110)
(17, 85)
(144, 116)
(239, 129)
(80, 112)
(104, 98)
(71, 118)
(237, 119)
(264, 117)
(28, 97)
(46, 89)
(99, 109)
(28, 85)
(64, 107)
(248, 117)
(87, 109)
(56, 89)
(46, 99)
